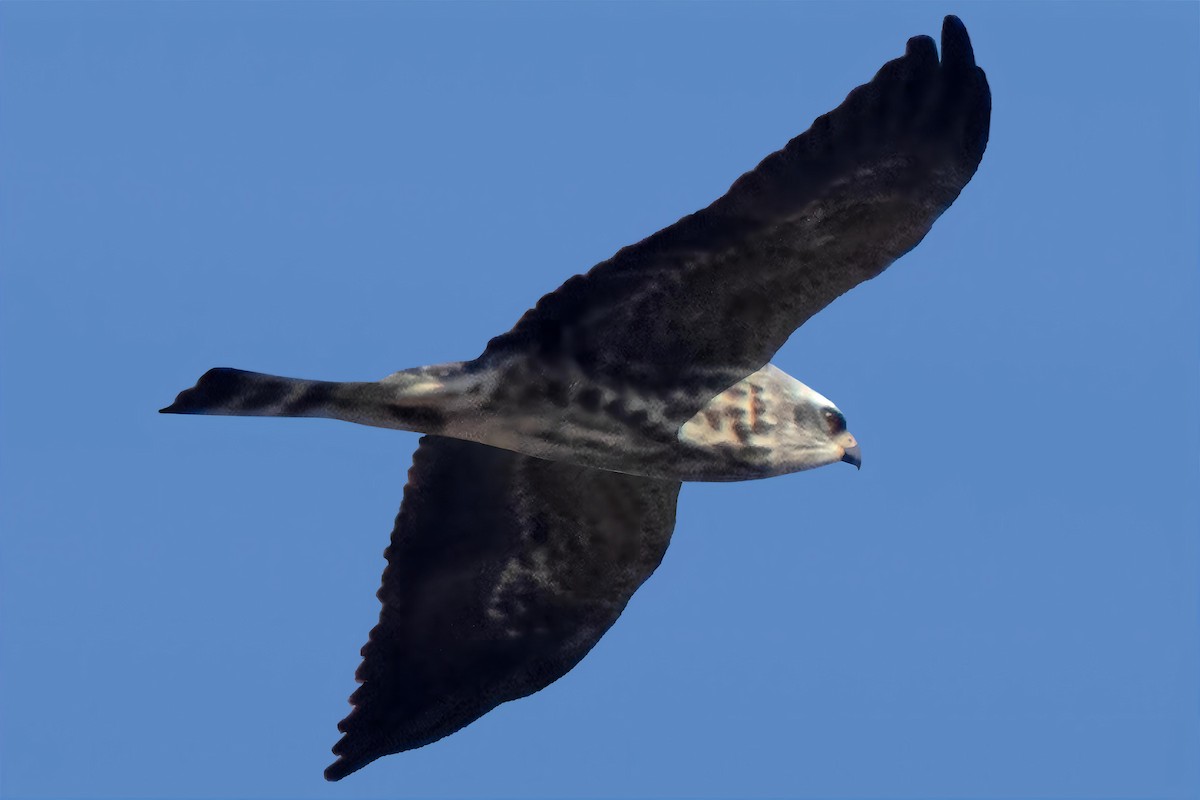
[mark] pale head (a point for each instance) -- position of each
(819, 434)
(775, 421)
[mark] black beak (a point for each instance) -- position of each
(853, 456)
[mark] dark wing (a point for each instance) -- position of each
(710, 299)
(503, 572)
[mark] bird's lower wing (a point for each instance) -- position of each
(708, 300)
(503, 572)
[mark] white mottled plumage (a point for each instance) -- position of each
(785, 419)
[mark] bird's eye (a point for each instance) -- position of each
(835, 421)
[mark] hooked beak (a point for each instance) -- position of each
(853, 455)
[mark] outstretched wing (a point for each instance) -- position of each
(708, 300)
(503, 572)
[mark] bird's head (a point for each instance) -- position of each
(775, 422)
(819, 436)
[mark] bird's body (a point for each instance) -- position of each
(754, 429)
(545, 492)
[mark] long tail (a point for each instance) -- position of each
(391, 403)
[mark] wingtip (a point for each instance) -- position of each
(922, 47)
(344, 766)
(956, 43)
(335, 771)
(348, 760)
(953, 26)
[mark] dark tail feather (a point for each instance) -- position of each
(236, 392)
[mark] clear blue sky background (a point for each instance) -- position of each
(1002, 603)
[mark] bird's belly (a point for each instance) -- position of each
(629, 452)
(633, 442)
(558, 413)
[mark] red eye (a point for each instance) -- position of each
(835, 421)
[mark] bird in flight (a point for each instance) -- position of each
(543, 493)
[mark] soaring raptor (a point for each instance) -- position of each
(544, 493)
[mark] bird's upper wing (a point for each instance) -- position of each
(503, 572)
(708, 300)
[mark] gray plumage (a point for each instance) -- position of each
(546, 493)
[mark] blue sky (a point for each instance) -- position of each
(1002, 603)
